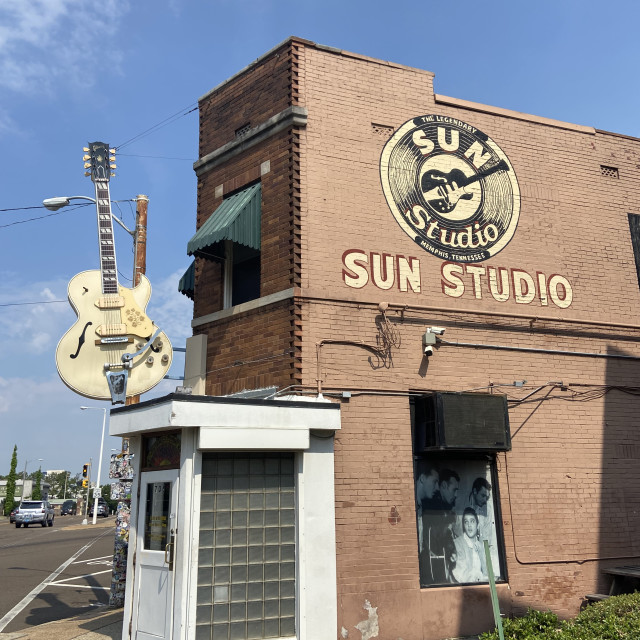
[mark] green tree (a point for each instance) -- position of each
(36, 494)
(74, 487)
(57, 483)
(11, 482)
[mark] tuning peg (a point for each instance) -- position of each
(112, 152)
(112, 158)
(87, 173)
(85, 158)
(87, 165)
(85, 149)
(113, 175)
(113, 165)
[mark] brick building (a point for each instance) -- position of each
(460, 279)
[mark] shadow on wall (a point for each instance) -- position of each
(620, 493)
(576, 509)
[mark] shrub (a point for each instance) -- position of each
(617, 618)
(535, 625)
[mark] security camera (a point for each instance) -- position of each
(437, 330)
(428, 351)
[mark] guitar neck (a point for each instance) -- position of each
(108, 267)
(501, 166)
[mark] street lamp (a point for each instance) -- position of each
(24, 475)
(53, 204)
(95, 493)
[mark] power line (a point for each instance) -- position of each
(21, 304)
(23, 208)
(160, 125)
(135, 155)
(56, 213)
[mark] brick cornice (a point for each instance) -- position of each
(291, 116)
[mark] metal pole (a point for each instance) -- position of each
(140, 239)
(86, 502)
(140, 255)
(66, 476)
(97, 490)
(24, 475)
(494, 593)
(121, 545)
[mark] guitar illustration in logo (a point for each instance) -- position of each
(450, 188)
(443, 191)
(113, 350)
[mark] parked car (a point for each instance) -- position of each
(69, 508)
(12, 516)
(103, 507)
(34, 512)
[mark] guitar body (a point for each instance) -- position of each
(109, 326)
(443, 191)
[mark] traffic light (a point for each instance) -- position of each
(85, 482)
(85, 471)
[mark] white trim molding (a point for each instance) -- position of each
(208, 423)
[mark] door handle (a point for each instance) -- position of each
(169, 550)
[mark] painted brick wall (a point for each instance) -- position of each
(566, 491)
(567, 486)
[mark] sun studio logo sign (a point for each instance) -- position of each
(451, 188)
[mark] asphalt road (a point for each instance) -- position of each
(30, 557)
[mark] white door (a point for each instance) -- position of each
(155, 551)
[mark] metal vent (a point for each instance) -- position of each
(243, 130)
(381, 130)
(609, 172)
(467, 421)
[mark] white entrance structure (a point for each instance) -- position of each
(240, 535)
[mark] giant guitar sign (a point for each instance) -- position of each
(113, 350)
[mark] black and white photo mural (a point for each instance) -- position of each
(456, 507)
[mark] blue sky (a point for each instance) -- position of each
(73, 72)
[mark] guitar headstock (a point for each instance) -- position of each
(100, 161)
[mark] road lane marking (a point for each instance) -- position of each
(92, 560)
(86, 575)
(79, 586)
(7, 619)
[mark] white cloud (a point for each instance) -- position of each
(32, 330)
(46, 42)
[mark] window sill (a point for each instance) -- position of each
(242, 308)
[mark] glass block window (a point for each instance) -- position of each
(246, 568)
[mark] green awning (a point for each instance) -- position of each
(187, 282)
(236, 219)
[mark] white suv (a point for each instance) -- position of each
(34, 512)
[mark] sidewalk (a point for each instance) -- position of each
(102, 624)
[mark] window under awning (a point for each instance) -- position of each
(236, 219)
(187, 283)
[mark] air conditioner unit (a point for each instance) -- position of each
(461, 421)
